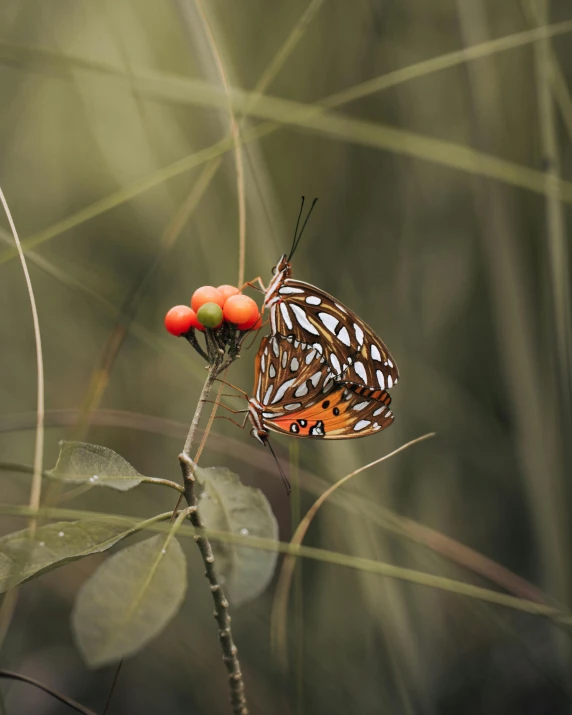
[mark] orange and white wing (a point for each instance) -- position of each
(341, 414)
(353, 351)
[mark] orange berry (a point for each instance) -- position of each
(180, 320)
(249, 325)
(226, 291)
(240, 310)
(206, 294)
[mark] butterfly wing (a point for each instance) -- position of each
(341, 414)
(351, 348)
(289, 375)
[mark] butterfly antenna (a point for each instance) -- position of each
(293, 248)
(284, 477)
(298, 236)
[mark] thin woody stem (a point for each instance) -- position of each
(229, 650)
(211, 377)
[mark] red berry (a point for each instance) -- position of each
(196, 324)
(180, 319)
(250, 325)
(206, 294)
(241, 310)
(226, 291)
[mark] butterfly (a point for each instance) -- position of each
(355, 354)
(295, 393)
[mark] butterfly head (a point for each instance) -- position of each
(283, 268)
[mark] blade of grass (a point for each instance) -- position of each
(36, 488)
(235, 135)
(402, 527)
(557, 616)
(60, 63)
(522, 349)
(9, 602)
(279, 616)
(555, 219)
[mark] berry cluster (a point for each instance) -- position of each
(210, 308)
(224, 311)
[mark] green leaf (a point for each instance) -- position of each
(227, 505)
(80, 462)
(26, 554)
(129, 599)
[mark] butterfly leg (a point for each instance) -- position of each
(234, 387)
(252, 284)
(255, 334)
(234, 422)
(225, 407)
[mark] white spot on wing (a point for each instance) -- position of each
(273, 318)
(287, 290)
(389, 382)
(360, 369)
(362, 424)
(310, 356)
(389, 362)
(380, 379)
(335, 363)
(360, 406)
(315, 379)
(303, 320)
(318, 347)
(282, 391)
(344, 337)
(341, 307)
(329, 321)
(267, 395)
(263, 362)
(272, 371)
(275, 349)
(294, 364)
(375, 354)
(313, 300)
(302, 390)
(379, 411)
(284, 311)
(359, 334)
(284, 359)
(293, 406)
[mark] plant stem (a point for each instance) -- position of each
(229, 650)
(213, 372)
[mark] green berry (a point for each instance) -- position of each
(210, 315)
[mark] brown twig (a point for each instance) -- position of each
(229, 650)
(217, 364)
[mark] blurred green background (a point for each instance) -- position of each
(441, 221)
